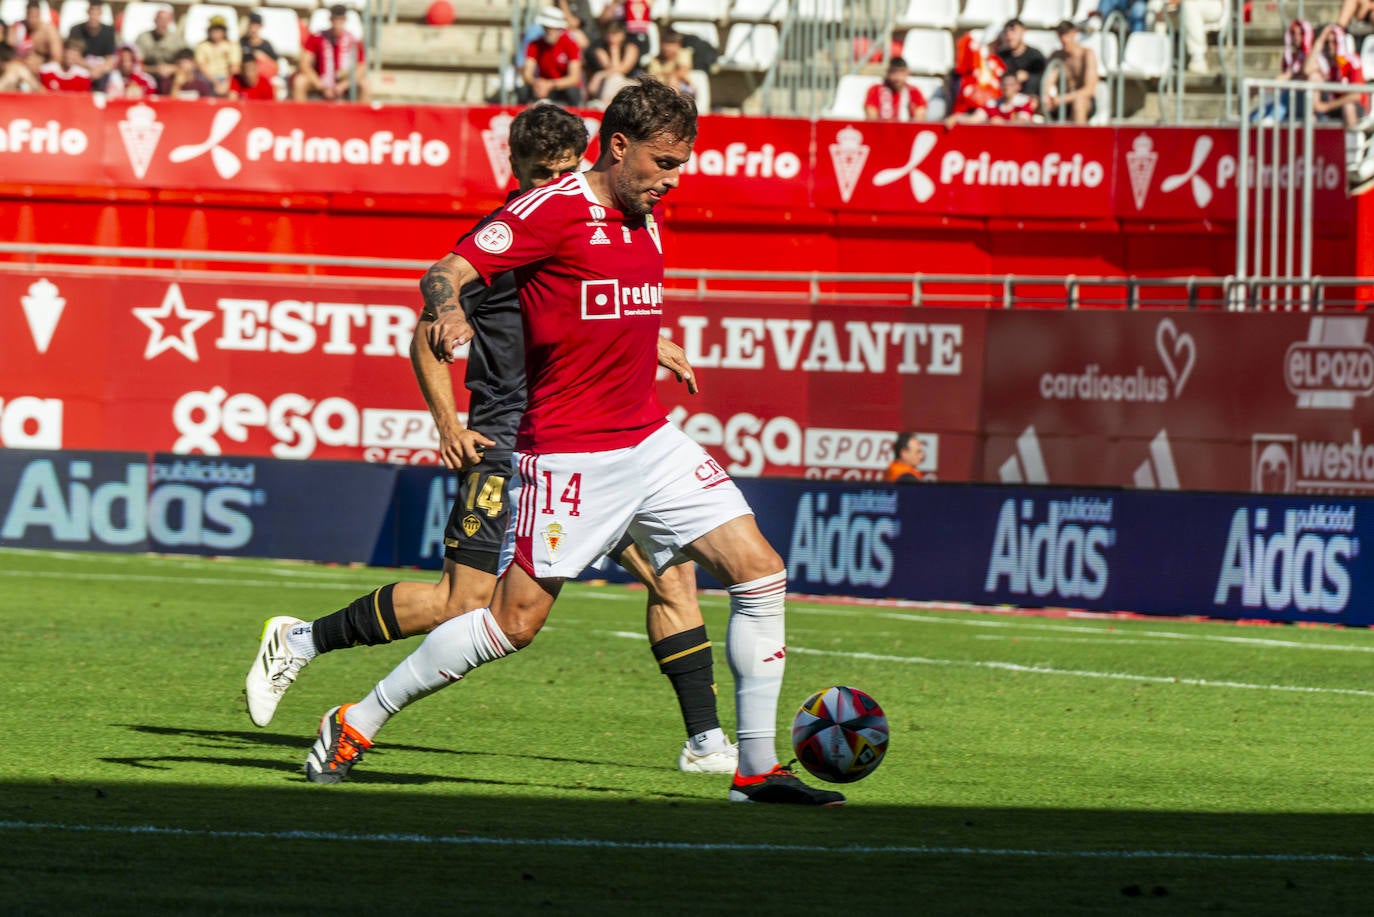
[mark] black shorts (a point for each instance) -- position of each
(477, 523)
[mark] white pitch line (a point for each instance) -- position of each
(1080, 673)
(603, 844)
(196, 580)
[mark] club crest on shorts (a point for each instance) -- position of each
(553, 537)
(471, 524)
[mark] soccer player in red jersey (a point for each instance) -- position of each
(595, 458)
(69, 76)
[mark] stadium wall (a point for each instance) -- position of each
(761, 194)
(1219, 555)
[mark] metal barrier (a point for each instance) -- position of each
(1006, 291)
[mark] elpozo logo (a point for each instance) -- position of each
(1334, 366)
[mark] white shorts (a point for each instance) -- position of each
(568, 509)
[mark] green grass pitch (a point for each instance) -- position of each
(1054, 765)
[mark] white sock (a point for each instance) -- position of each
(451, 650)
(709, 742)
(300, 640)
(755, 646)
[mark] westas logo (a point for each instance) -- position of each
(1283, 463)
(1065, 554)
(1333, 366)
(1305, 566)
(1177, 353)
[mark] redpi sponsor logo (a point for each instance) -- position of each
(1303, 566)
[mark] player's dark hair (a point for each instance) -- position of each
(646, 109)
(902, 440)
(543, 132)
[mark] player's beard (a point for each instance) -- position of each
(632, 197)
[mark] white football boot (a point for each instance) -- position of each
(722, 761)
(273, 671)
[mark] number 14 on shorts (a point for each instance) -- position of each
(572, 492)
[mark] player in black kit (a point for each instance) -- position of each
(546, 142)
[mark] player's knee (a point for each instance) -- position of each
(765, 595)
(519, 625)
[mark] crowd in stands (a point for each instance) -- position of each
(35, 57)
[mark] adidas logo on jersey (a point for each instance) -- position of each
(600, 238)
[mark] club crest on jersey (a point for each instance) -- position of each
(495, 237)
(553, 537)
(600, 238)
(471, 524)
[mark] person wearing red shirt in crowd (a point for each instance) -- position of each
(895, 99)
(1011, 106)
(186, 81)
(980, 72)
(638, 17)
(553, 64)
(71, 75)
(128, 79)
(909, 452)
(331, 61)
(249, 83)
(1335, 60)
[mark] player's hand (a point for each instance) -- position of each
(463, 449)
(447, 333)
(674, 359)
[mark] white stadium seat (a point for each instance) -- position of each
(821, 10)
(281, 27)
(700, 10)
(759, 10)
(929, 51)
(195, 24)
(1043, 40)
(708, 32)
(751, 46)
(1146, 55)
(1045, 14)
(848, 103)
(978, 13)
(304, 6)
(320, 19)
(74, 12)
(12, 11)
(929, 14)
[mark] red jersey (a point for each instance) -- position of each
(552, 60)
(56, 79)
(334, 55)
(1020, 108)
(262, 89)
(590, 283)
(895, 106)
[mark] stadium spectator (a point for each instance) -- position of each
(980, 74)
(217, 57)
(35, 34)
(552, 69)
(1335, 60)
(615, 60)
(1356, 16)
(1191, 17)
(1026, 62)
(186, 81)
(908, 452)
(1012, 105)
(70, 75)
(637, 17)
(895, 98)
(127, 80)
(15, 74)
(672, 65)
(331, 65)
(250, 83)
(252, 44)
(1297, 47)
(1133, 10)
(160, 44)
(1077, 66)
(99, 39)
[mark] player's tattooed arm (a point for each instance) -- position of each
(439, 296)
(447, 326)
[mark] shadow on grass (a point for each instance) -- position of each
(175, 847)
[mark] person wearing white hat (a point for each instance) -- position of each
(552, 69)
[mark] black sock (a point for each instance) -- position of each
(686, 659)
(367, 621)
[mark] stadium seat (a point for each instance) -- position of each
(849, 96)
(304, 6)
(1104, 45)
(821, 10)
(1083, 10)
(701, 89)
(758, 11)
(195, 24)
(281, 27)
(699, 10)
(1146, 56)
(979, 13)
(929, 51)
(1043, 40)
(73, 13)
(929, 14)
(1045, 14)
(12, 11)
(137, 18)
(751, 46)
(1367, 56)
(353, 23)
(708, 32)
(933, 88)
